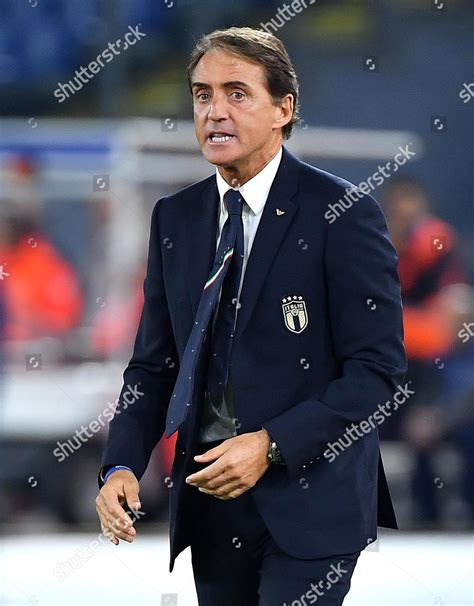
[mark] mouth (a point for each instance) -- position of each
(219, 138)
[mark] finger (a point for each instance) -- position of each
(114, 535)
(110, 520)
(209, 473)
(234, 494)
(229, 476)
(131, 489)
(116, 526)
(102, 512)
(212, 453)
(223, 490)
(111, 503)
(108, 535)
(219, 481)
(121, 522)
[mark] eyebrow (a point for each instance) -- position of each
(229, 84)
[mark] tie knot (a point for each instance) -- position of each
(234, 202)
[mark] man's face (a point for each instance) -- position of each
(231, 101)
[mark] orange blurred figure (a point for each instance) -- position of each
(42, 290)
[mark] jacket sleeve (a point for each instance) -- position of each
(148, 380)
(365, 316)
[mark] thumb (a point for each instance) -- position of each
(131, 489)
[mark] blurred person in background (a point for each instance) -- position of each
(42, 290)
(115, 324)
(450, 419)
(430, 263)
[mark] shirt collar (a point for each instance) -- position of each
(255, 191)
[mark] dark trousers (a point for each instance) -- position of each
(236, 562)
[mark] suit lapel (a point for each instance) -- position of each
(203, 218)
(202, 227)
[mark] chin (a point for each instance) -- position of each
(220, 157)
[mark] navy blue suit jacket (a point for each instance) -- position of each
(304, 377)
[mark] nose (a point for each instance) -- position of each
(218, 108)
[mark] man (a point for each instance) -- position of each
(432, 275)
(260, 376)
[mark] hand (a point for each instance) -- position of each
(121, 487)
(238, 464)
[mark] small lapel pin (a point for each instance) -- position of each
(280, 212)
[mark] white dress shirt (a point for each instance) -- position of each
(255, 193)
(218, 420)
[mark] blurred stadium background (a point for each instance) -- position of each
(78, 180)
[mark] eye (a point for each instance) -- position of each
(237, 92)
(199, 96)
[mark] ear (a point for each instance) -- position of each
(284, 111)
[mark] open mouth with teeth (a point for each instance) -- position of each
(218, 137)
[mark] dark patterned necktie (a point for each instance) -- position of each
(225, 273)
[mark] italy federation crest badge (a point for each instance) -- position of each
(294, 313)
